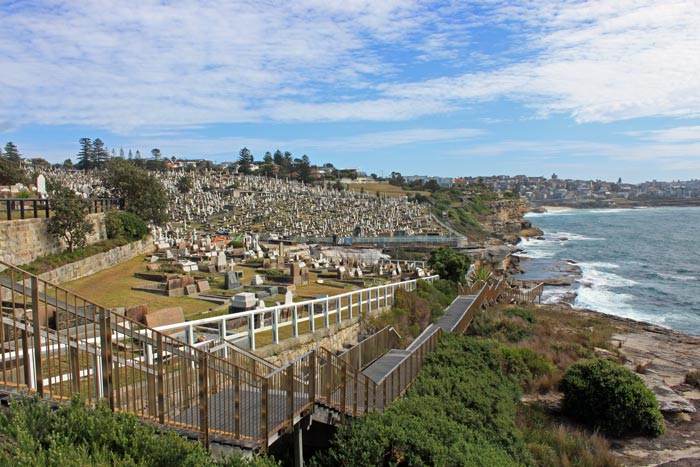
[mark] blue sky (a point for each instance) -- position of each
(586, 89)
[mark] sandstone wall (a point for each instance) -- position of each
(98, 262)
(334, 338)
(23, 241)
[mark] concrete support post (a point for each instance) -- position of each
(326, 322)
(298, 444)
(295, 322)
(251, 331)
(312, 322)
(275, 326)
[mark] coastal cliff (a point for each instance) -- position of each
(504, 220)
(501, 224)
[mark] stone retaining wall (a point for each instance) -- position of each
(98, 262)
(331, 338)
(334, 338)
(23, 241)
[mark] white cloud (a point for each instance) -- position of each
(670, 135)
(664, 154)
(596, 61)
(136, 64)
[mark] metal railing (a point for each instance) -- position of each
(56, 343)
(294, 319)
(368, 350)
(33, 208)
(394, 384)
(398, 240)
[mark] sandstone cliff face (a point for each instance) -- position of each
(505, 221)
(504, 225)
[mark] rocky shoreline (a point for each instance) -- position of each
(661, 357)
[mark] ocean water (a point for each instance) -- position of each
(642, 264)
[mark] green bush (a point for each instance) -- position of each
(523, 313)
(500, 328)
(553, 444)
(524, 364)
(125, 225)
(605, 395)
(460, 411)
(32, 434)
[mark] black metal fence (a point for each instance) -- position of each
(34, 208)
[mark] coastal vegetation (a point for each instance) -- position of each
(10, 169)
(33, 434)
(460, 411)
(449, 264)
(605, 395)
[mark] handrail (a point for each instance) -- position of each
(299, 315)
(530, 295)
(368, 350)
(30, 208)
(57, 343)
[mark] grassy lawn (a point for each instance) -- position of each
(112, 288)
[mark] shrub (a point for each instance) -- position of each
(524, 364)
(460, 411)
(554, 445)
(33, 434)
(608, 396)
(523, 313)
(125, 225)
(500, 328)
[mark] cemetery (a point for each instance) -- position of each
(239, 243)
(278, 208)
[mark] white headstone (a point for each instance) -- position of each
(41, 185)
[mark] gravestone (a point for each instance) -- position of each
(41, 185)
(231, 281)
(288, 297)
(191, 289)
(164, 317)
(257, 280)
(137, 312)
(221, 262)
(202, 286)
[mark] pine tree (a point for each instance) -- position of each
(138, 154)
(131, 155)
(302, 167)
(85, 156)
(100, 156)
(245, 160)
(121, 153)
(11, 152)
(268, 166)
